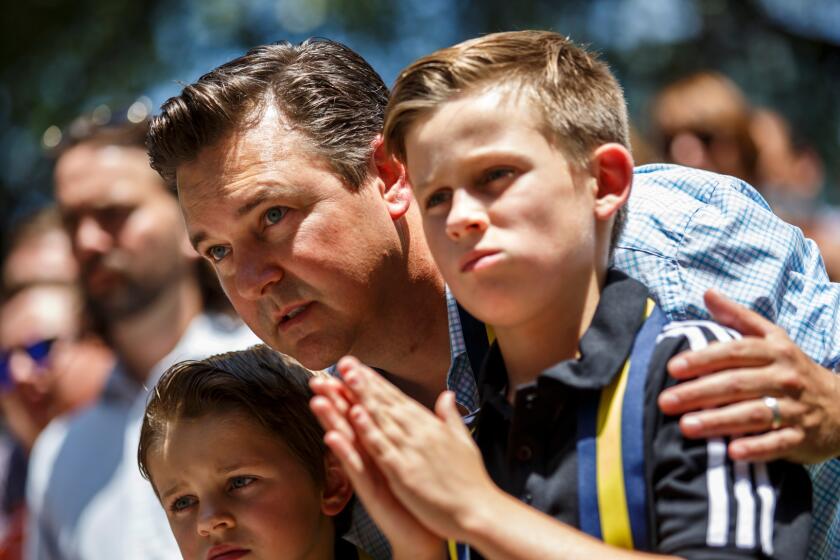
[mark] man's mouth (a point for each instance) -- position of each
(291, 313)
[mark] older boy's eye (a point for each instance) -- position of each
(240, 482)
(495, 174)
(439, 197)
(182, 503)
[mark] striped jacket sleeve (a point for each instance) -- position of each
(704, 504)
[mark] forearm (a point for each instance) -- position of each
(528, 534)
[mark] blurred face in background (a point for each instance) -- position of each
(126, 229)
(47, 369)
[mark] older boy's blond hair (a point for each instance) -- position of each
(578, 100)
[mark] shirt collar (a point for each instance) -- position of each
(604, 346)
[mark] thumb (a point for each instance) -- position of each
(446, 410)
(736, 316)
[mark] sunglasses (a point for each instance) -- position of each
(38, 351)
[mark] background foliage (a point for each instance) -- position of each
(62, 58)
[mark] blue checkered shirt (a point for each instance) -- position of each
(461, 381)
(689, 230)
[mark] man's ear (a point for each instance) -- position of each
(337, 488)
(612, 167)
(393, 186)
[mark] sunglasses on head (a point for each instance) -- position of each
(38, 351)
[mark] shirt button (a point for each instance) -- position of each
(528, 498)
(524, 453)
(530, 401)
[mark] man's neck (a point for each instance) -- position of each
(410, 338)
(553, 335)
(144, 339)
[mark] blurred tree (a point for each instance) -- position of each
(61, 58)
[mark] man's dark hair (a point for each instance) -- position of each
(322, 89)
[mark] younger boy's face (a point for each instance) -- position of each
(233, 490)
(507, 216)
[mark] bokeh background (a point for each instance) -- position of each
(123, 58)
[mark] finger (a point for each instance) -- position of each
(335, 391)
(447, 410)
(742, 353)
(387, 405)
(740, 418)
(716, 390)
(330, 418)
(374, 441)
(778, 444)
(736, 316)
(350, 458)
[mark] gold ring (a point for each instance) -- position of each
(773, 404)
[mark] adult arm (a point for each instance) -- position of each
(727, 383)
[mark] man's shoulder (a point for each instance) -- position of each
(687, 183)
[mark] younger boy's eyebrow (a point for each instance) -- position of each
(171, 490)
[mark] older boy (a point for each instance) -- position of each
(516, 146)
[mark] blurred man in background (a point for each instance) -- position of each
(50, 364)
(140, 279)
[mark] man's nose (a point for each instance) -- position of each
(90, 238)
(256, 272)
(467, 215)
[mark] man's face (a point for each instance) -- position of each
(124, 226)
(304, 259)
(508, 218)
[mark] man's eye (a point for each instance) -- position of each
(240, 482)
(439, 197)
(217, 252)
(182, 503)
(275, 214)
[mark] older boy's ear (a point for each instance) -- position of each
(612, 167)
(337, 488)
(393, 184)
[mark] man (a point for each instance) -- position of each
(86, 497)
(50, 362)
(315, 237)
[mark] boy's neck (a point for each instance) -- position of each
(553, 335)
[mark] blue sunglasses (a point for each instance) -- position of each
(38, 351)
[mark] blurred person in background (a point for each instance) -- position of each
(703, 121)
(141, 283)
(50, 364)
(792, 178)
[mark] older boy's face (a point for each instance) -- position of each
(507, 216)
(231, 489)
(303, 258)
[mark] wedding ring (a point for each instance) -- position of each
(773, 404)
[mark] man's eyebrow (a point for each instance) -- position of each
(262, 194)
(196, 238)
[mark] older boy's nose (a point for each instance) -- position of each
(255, 274)
(467, 215)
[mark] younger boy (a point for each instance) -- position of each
(516, 147)
(238, 462)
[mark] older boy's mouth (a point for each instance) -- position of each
(226, 552)
(478, 259)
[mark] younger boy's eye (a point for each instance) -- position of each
(182, 503)
(438, 197)
(275, 214)
(240, 482)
